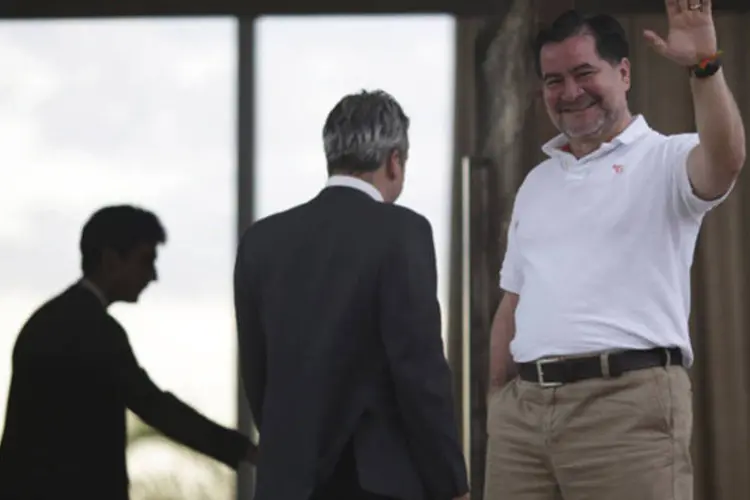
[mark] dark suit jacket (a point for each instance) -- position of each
(74, 374)
(339, 337)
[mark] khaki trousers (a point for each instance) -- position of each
(625, 438)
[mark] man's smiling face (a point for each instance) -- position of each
(585, 95)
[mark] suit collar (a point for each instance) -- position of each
(95, 290)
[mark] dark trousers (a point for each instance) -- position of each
(344, 483)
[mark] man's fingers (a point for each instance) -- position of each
(672, 7)
(656, 42)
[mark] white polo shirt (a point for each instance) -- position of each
(600, 248)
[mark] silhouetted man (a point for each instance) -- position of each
(339, 330)
(74, 374)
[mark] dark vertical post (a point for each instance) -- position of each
(245, 203)
(464, 143)
(484, 216)
(468, 328)
(503, 100)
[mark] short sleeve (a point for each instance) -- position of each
(511, 276)
(678, 148)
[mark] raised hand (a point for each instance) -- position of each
(692, 35)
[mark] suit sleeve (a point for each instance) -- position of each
(250, 337)
(175, 419)
(411, 331)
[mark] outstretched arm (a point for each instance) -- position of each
(175, 419)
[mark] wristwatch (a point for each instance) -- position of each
(706, 67)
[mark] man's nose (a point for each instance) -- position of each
(571, 90)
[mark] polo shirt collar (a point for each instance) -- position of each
(558, 145)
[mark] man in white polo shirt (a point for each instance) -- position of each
(590, 396)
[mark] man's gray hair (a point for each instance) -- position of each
(363, 130)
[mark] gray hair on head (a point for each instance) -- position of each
(363, 130)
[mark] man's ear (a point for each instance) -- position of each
(625, 71)
(394, 165)
(110, 260)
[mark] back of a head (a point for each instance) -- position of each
(120, 228)
(362, 131)
(609, 35)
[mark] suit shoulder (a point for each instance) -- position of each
(62, 308)
(269, 224)
(405, 218)
(71, 318)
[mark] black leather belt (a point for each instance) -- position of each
(556, 371)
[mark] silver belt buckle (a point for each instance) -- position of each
(540, 372)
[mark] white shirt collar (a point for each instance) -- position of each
(637, 128)
(91, 287)
(353, 182)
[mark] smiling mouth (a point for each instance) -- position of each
(577, 110)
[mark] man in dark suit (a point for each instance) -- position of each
(74, 374)
(339, 330)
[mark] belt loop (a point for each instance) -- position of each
(604, 362)
(668, 357)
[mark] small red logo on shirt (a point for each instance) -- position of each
(618, 168)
